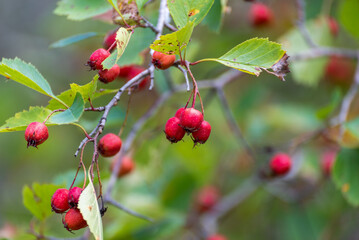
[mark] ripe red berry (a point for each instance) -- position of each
(217, 237)
(59, 200)
(109, 145)
(179, 113)
(109, 39)
(127, 165)
(333, 26)
(109, 75)
(74, 196)
(260, 14)
(36, 133)
(339, 70)
(280, 164)
(74, 220)
(125, 70)
(97, 57)
(191, 119)
(174, 132)
(202, 134)
(133, 72)
(163, 61)
(328, 160)
(207, 198)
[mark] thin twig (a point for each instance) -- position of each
(185, 76)
(324, 52)
(301, 24)
(127, 210)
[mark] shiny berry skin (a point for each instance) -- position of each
(191, 119)
(333, 26)
(280, 164)
(109, 75)
(127, 166)
(74, 220)
(36, 133)
(163, 61)
(260, 14)
(97, 57)
(74, 196)
(109, 39)
(174, 132)
(217, 237)
(59, 200)
(179, 112)
(207, 198)
(109, 145)
(328, 159)
(202, 134)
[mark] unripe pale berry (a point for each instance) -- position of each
(163, 61)
(109, 39)
(109, 145)
(179, 113)
(36, 133)
(59, 200)
(217, 237)
(260, 14)
(207, 198)
(191, 119)
(280, 164)
(174, 132)
(333, 26)
(328, 160)
(74, 196)
(74, 220)
(97, 57)
(127, 166)
(202, 134)
(109, 75)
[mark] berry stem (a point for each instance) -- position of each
(57, 110)
(86, 134)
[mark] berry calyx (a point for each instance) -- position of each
(36, 133)
(109, 145)
(217, 237)
(109, 39)
(97, 57)
(127, 166)
(191, 119)
(333, 26)
(174, 132)
(109, 75)
(163, 61)
(202, 134)
(74, 220)
(59, 200)
(74, 196)
(207, 198)
(328, 160)
(260, 14)
(179, 112)
(280, 164)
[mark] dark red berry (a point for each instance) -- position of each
(133, 72)
(109, 75)
(109, 145)
(217, 237)
(207, 198)
(97, 57)
(163, 61)
(328, 160)
(280, 164)
(74, 196)
(59, 200)
(127, 165)
(179, 113)
(36, 133)
(260, 14)
(174, 132)
(74, 220)
(191, 119)
(109, 39)
(202, 134)
(339, 70)
(333, 26)
(125, 70)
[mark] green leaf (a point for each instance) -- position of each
(73, 39)
(81, 9)
(214, 18)
(141, 4)
(21, 119)
(251, 55)
(37, 199)
(90, 210)
(122, 38)
(72, 114)
(174, 42)
(345, 174)
(335, 100)
(184, 11)
(348, 16)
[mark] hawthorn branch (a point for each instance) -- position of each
(324, 52)
(301, 24)
(127, 210)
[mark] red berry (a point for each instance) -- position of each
(163, 61)
(280, 164)
(59, 200)
(109, 145)
(97, 57)
(207, 198)
(125, 70)
(74, 220)
(260, 14)
(179, 112)
(109, 39)
(36, 133)
(174, 132)
(127, 165)
(202, 134)
(74, 196)
(339, 70)
(217, 237)
(133, 72)
(109, 75)
(191, 119)
(328, 160)
(333, 26)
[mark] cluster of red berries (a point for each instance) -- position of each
(66, 200)
(187, 120)
(36, 133)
